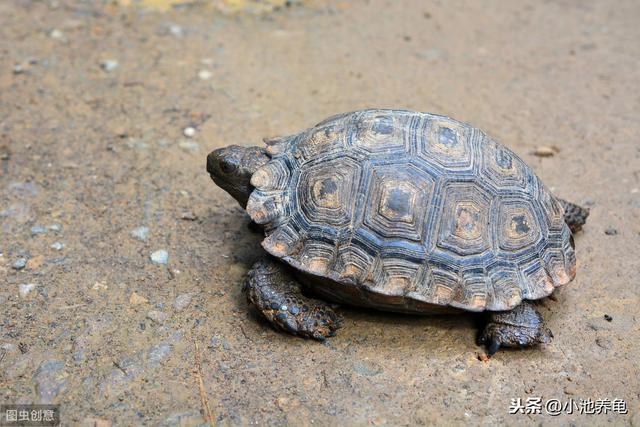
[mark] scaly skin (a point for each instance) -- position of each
(575, 216)
(231, 168)
(521, 327)
(274, 292)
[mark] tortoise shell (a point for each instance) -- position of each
(411, 211)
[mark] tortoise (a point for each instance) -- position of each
(401, 211)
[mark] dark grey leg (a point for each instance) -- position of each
(575, 216)
(521, 327)
(276, 294)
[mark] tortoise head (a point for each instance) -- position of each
(231, 169)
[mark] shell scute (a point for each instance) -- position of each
(412, 208)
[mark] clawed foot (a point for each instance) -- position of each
(521, 327)
(278, 297)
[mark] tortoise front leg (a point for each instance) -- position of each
(277, 295)
(575, 216)
(521, 327)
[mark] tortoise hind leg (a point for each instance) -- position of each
(277, 295)
(575, 216)
(521, 327)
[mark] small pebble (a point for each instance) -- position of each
(99, 286)
(9, 348)
(51, 380)
(55, 227)
(483, 357)
(25, 289)
(543, 151)
(176, 30)
(18, 69)
(19, 264)
(23, 189)
(610, 231)
(78, 356)
(56, 34)
(160, 257)
(182, 302)
(189, 216)
(157, 316)
(159, 352)
(608, 318)
(136, 299)
(205, 74)
(109, 65)
(38, 229)
(57, 246)
(140, 233)
(189, 132)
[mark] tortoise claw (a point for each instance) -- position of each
(277, 296)
(493, 347)
(316, 335)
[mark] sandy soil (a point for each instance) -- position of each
(94, 100)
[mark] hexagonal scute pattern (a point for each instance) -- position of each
(517, 225)
(502, 167)
(319, 141)
(464, 219)
(325, 191)
(382, 132)
(397, 201)
(412, 212)
(448, 144)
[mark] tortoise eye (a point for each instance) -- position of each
(229, 167)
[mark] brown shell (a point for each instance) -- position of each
(412, 208)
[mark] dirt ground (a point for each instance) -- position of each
(97, 174)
